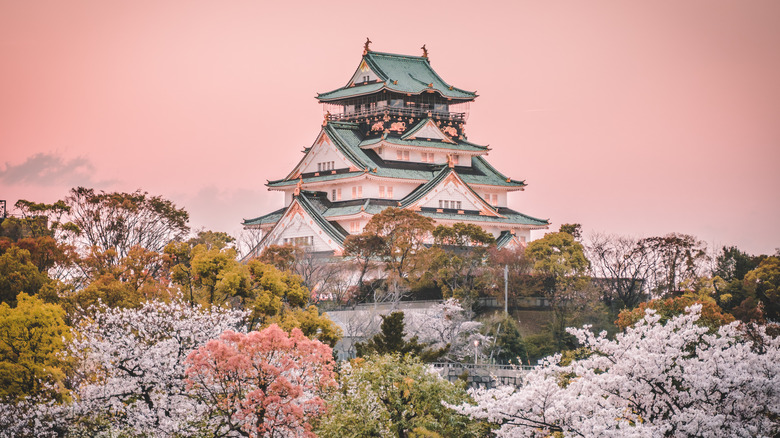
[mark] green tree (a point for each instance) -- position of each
(391, 339)
(456, 262)
(403, 234)
(395, 396)
(32, 336)
(508, 346)
(19, 275)
(763, 284)
(561, 261)
(575, 230)
(733, 264)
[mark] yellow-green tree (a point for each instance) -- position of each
(31, 343)
(395, 396)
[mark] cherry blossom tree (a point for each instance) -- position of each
(131, 372)
(261, 384)
(673, 380)
(446, 325)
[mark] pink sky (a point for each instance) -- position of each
(638, 118)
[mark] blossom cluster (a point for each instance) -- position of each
(674, 379)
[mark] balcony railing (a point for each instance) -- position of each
(394, 111)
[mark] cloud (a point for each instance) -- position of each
(51, 169)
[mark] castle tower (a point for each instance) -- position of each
(393, 136)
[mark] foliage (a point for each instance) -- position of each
(119, 221)
(311, 322)
(19, 275)
(395, 396)
(456, 262)
(672, 379)
(575, 230)
(260, 384)
(764, 283)
(32, 337)
(561, 261)
(621, 267)
(733, 263)
(508, 346)
(403, 233)
(392, 339)
(446, 326)
(675, 258)
(711, 316)
(131, 364)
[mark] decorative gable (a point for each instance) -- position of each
(363, 74)
(427, 129)
(453, 193)
(298, 227)
(322, 158)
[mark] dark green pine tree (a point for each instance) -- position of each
(390, 340)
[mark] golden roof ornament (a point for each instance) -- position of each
(425, 51)
(366, 49)
(450, 161)
(298, 187)
(327, 116)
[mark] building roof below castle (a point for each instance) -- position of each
(317, 203)
(347, 139)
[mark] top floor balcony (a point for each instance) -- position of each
(396, 108)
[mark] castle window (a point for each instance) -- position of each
(354, 227)
(357, 192)
(427, 157)
(333, 195)
(385, 192)
(446, 203)
(402, 155)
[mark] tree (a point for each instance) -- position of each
(763, 283)
(392, 339)
(732, 263)
(19, 275)
(395, 396)
(403, 234)
(676, 258)
(621, 266)
(32, 337)
(507, 346)
(447, 326)
(673, 380)
(365, 249)
(575, 230)
(456, 262)
(131, 365)
(260, 384)
(119, 221)
(562, 262)
(710, 315)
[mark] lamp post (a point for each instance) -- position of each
(476, 353)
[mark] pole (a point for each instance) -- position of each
(506, 290)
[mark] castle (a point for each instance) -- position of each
(393, 136)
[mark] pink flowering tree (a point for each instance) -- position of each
(131, 363)
(261, 384)
(653, 380)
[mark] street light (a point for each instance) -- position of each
(476, 344)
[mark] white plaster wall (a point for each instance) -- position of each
(300, 227)
(324, 152)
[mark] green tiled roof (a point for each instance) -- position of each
(401, 74)
(459, 146)
(504, 238)
(419, 192)
(510, 217)
(346, 137)
(270, 218)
